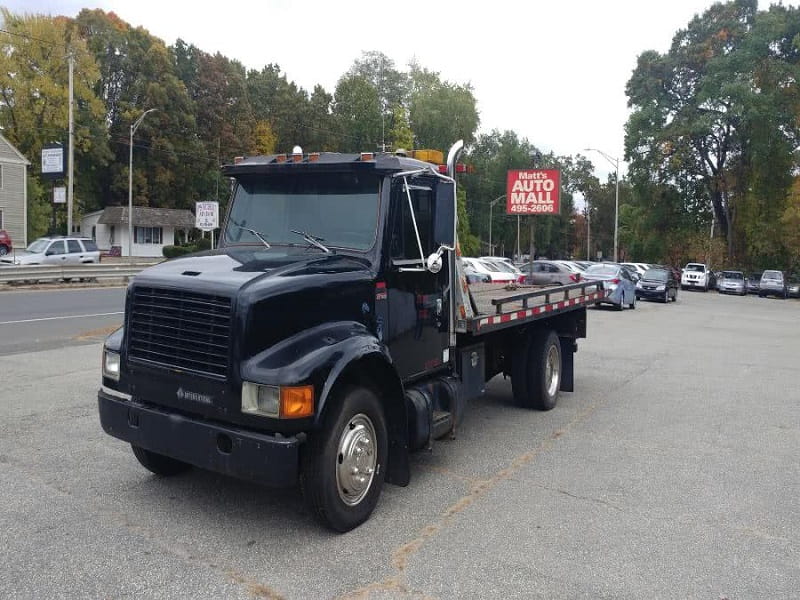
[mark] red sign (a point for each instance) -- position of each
(533, 192)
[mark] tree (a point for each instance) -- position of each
(440, 112)
(35, 103)
(357, 113)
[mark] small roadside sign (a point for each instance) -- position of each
(207, 215)
(53, 161)
(533, 192)
(59, 195)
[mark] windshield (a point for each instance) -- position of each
(338, 209)
(39, 245)
(694, 267)
(732, 275)
(772, 275)
(655, 275)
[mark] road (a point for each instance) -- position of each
(670, 472)
(55, 318)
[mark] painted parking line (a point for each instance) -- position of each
(61, 318)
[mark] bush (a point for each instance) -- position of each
(203, 243)
(175, 251)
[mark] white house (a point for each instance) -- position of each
(153, 228)
(13, 193)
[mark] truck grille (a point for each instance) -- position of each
(179, 329)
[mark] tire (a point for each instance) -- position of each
(536, 371)
(353, 438)
(666, 296)
(632, 305)
(3, 250)
(158, 463)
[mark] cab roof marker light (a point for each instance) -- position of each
(313, 157)
(367, 156)
(280, 158)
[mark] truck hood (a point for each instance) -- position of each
(228, 270)
(23, 258)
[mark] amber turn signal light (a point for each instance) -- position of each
(297, 402)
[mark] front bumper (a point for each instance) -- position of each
(270, 460)
(650, 294)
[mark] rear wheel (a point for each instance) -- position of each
(3, 250)
(536, 371)
(344, 464)
(158, 463)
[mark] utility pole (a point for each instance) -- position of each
(70, 145)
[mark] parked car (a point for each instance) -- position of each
(698, 276)
(504, 265)
(793, 286)
(751, 284)
(732, 282)
(617, 279)
(490, 269)
(658, 284)
(474, 276)
(773, 283)
(638, 268)
(57, 250)
(550, 272)
(5, 242)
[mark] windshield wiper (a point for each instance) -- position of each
(314, 241)
(255, 233)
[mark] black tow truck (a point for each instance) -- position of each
(330, 334)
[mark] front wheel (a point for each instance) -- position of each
(632, 305)
(344, 464)
(3, 250)
(158, 463)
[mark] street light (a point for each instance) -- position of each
(491, 204)
(615, 163)
(134, 127)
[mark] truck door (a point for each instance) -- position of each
(418, 299)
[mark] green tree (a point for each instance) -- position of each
(400, 136)
(440, 112)
(357, 113)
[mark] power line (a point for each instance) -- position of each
(28, 37)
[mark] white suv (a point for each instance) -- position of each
(697, 276)
(56, 250)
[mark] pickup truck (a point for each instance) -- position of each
(331, 333)
(698, 276)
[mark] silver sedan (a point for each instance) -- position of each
(617, 279)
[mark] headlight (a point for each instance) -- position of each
(261, 399)
(661, 288)
(285, 402)
(111, 364)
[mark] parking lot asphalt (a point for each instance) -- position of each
(670, 472)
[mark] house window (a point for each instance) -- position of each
(147, 235)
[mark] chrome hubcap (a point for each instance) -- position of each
(356, 459)
(552, 371)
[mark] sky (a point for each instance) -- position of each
(554, 72)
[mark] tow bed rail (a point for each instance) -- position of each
(528, 306)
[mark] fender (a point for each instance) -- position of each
(321, 356)
(318, 355)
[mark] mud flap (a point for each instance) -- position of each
(568, 348)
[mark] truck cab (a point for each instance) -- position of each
(330, 333)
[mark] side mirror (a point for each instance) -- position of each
(434, 262)
(444, 219)
(50, 253)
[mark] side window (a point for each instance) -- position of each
(404, 245)
(553, 268)
(90, 245)
(57, 248)
(74, 247)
